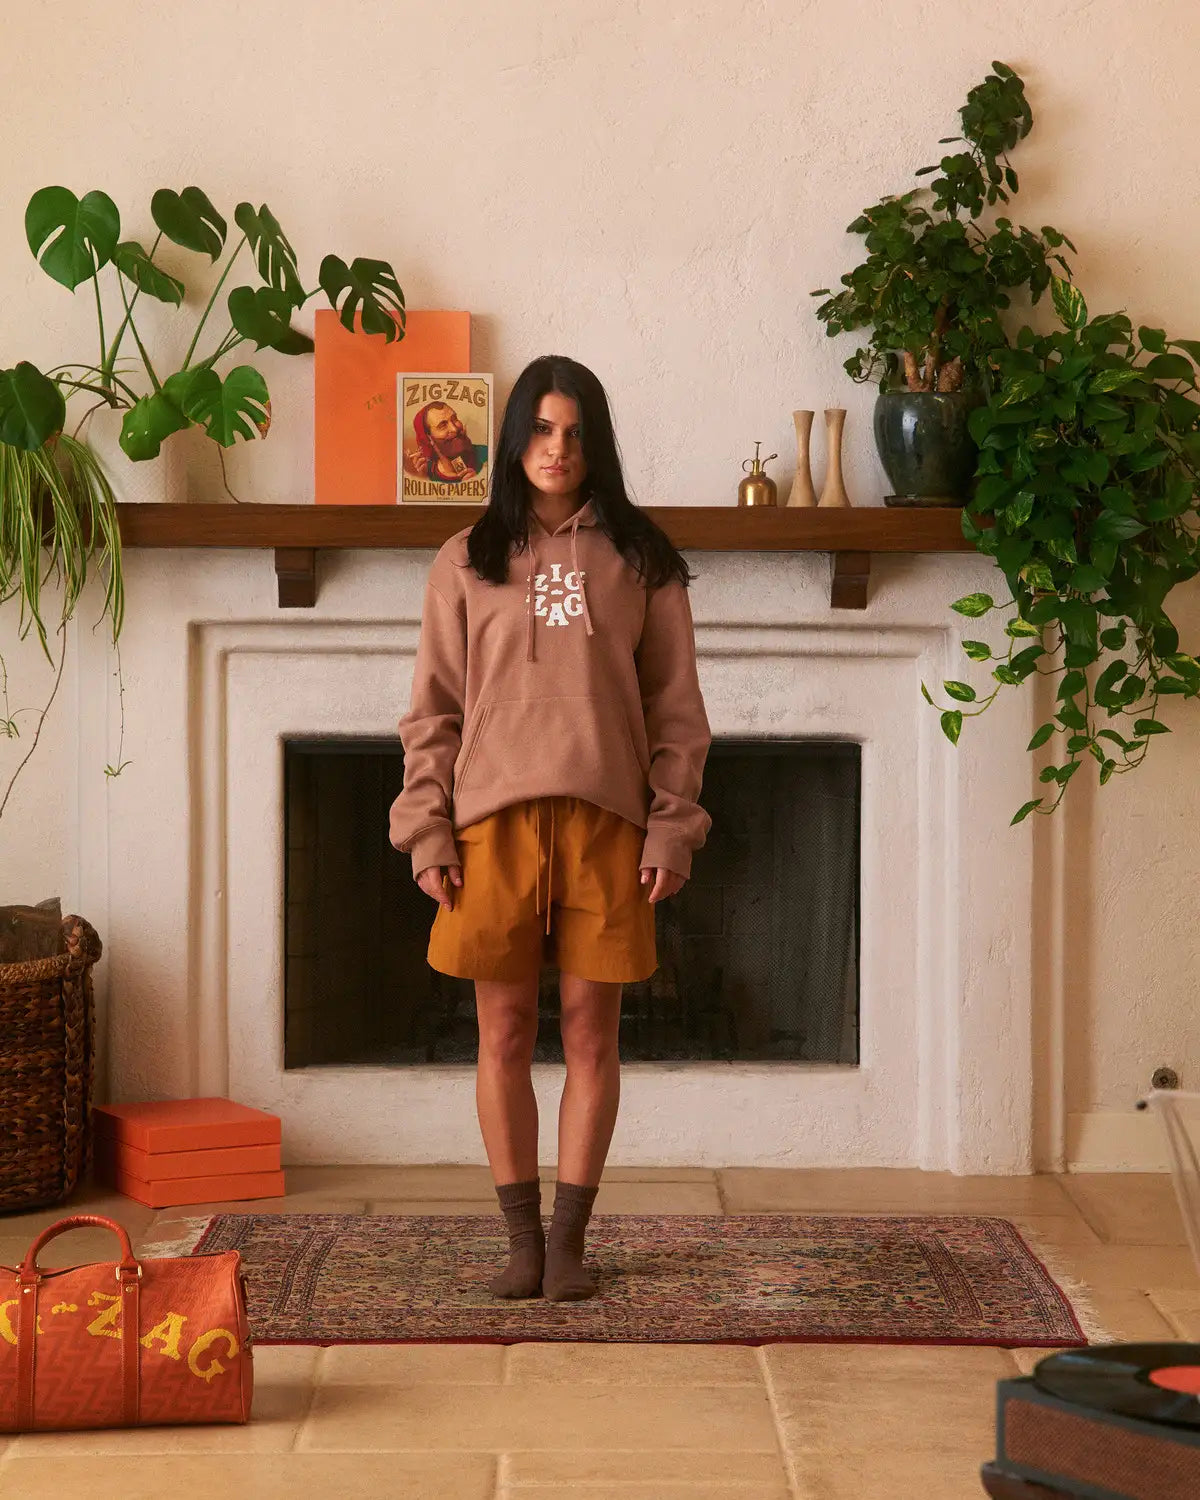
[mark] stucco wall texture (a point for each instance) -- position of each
(654, 189)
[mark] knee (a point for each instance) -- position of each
(507, 1041)
(588, 1047)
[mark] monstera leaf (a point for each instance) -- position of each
(273, 255)
(264, 315)
(230, 408)
(132, 261)
(32, 408)
(190, 220)
(71, 237)
(156, 417)
(370, 286)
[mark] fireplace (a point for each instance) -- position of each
(758, 955)
(188, 877)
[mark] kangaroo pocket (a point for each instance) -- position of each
(462, 764)
(576, 745)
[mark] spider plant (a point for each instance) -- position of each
(57, 522)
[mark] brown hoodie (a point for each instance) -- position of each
(571, 679)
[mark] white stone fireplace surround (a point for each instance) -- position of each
(185, 871)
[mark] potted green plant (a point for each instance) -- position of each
(932, 289)
(76, 240)
(57, 506)
(57, 519)
(1087, 500)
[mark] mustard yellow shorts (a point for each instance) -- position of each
(551, 881)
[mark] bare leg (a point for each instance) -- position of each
(591, 1014)
(504, 1094)
(508, 1120)
(587, 1115)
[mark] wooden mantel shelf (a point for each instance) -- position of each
(297, 532)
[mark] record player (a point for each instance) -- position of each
(1113, 1421)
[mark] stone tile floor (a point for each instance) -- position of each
(606, 1422)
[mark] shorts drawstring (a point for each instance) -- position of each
(550, 871)
(537, 808)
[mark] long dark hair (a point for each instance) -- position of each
(504, 526)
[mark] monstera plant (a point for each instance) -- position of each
(76, 240)
(1087, 500)
(57, 506)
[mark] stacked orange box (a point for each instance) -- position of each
(176, 1151)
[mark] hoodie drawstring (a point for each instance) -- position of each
(529, 647)
(530, 622)
(587, 618)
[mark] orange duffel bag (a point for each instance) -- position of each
(122, 1343)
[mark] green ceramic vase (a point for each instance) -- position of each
(925, 445)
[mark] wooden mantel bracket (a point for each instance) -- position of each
(296, 574)
(848, 582)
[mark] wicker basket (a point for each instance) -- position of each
(47, 1067)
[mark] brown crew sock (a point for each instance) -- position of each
(521, 1203)
(564, 1279)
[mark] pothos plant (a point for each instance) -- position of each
(1087, 500)
(936, 278)
(57, 507)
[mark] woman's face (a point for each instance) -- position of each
(553, 460)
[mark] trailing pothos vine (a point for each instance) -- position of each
(1087, 500)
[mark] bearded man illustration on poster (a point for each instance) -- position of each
(445, 426)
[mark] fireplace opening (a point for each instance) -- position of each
(758, 954)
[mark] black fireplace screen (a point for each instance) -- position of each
(758, 954)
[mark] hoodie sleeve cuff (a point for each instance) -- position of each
(663, 852)
(434, 847)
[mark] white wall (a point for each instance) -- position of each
(654, 189)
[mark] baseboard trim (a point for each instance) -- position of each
(1116, 1141)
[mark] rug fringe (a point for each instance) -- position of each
(186, 1235)
(1079, 1295)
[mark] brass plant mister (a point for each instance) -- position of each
(758, 488)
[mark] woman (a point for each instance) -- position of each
(554, 749)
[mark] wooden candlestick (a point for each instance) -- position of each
(802, 492)
(834, 492)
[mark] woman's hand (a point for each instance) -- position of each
(666, 883)
(432, 881)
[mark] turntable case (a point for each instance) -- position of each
(1094, 1455)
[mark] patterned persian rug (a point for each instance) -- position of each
(744, 1279)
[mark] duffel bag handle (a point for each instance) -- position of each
(128, 1261)
(129, 1276)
